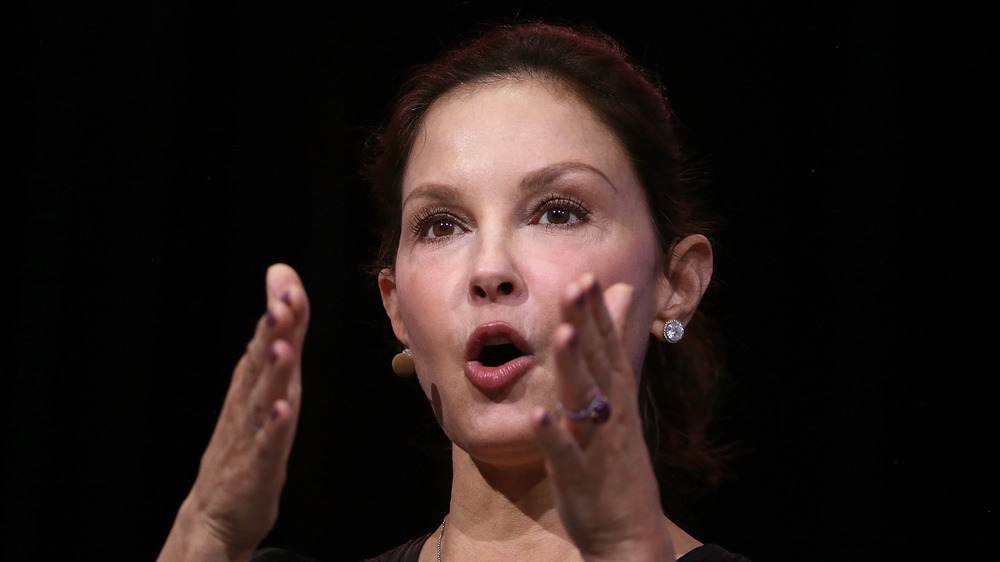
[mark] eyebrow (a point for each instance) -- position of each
(538, 179)
(534, 181)
(432, 192)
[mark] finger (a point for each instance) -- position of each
(274, 440)
(563, 455)
(608, 314)
(606, 330)
(575, 382)
(266, 362)
(618, 299)
(285, 291)
(254, 359)
(575, 385)
(615, 310)
(279, 380)
(587, 316)
(281, 429)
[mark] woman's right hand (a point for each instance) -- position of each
(234, 501)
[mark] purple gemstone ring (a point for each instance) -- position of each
(598, 411)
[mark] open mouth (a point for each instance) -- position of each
(498, 354)
(496, 344)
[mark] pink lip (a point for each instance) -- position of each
(494, 378)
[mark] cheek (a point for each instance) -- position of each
(422, 307)
(625, 259)
(430, 289)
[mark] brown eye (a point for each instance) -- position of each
(561, 212)
(557, 216)
(442, 227)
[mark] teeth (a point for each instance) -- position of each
(497, 340)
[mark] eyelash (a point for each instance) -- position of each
(427, 217)
(569, 204)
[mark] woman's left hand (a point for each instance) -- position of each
(607, 494)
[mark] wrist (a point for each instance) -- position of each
(192, 538)
(654, 544)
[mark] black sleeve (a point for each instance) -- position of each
(409, 552)
(277, 555)
(711, 553)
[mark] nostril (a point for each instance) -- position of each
(486, 291)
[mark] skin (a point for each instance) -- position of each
(492, 168)
(234, 501)
(525, 479)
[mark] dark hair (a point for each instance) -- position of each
(679, 383)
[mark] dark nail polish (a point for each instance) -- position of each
(595, 287)
(546, 420)
(573, 340)
(272, 357)
(286, 298)
(270, 321)
(275, 411)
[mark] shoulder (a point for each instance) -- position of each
(711, 553)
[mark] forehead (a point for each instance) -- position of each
(501, 131)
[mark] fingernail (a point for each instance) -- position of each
(272, 357)
(595, 287)
(270, 319)
(286, 298)
(275, 412)
(546, 420)
(581, 299)
(573, 340)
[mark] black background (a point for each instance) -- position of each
(162, 154)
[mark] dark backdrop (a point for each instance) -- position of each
(162, 154)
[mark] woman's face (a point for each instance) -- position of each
(511, 192)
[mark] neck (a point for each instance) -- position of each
(498, 510)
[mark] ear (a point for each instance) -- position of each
(387, 287)
(687, 271)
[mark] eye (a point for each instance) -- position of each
(436, 225)
(560, 212)
(558, 215)
(439, 227)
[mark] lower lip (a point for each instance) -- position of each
(488, 379)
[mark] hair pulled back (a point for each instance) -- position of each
(678, 388)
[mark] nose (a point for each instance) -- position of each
(495, 276)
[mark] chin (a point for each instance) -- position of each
(499, 438)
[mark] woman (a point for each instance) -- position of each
(537, 235)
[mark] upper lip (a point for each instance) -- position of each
(493, 333)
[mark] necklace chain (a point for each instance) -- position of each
(440, 536)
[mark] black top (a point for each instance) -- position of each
(410, 552)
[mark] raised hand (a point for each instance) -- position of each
(603, 478)
(234, 501)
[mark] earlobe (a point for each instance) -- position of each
(387, 288)
(686, 274)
